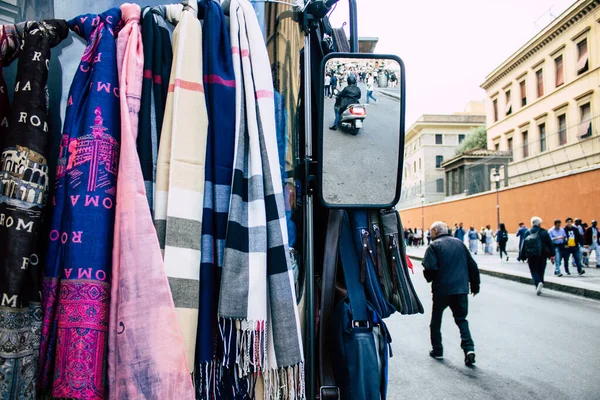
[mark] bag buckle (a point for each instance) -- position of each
(361, 324)
(332, 388)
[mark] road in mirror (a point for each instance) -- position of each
(361, 131)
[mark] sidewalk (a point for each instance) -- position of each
(393, 93)
(587, 285)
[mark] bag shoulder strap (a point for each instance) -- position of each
(328, 390)
(338, 241)
(351, 268)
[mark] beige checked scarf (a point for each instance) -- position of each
(180, 170)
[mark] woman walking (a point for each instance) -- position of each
(489, 240)
(502, 239)
(473, 239)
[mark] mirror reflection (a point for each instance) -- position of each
(361, 131)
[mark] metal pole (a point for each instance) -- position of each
(353, 26)
(309, 226)
(497, 204)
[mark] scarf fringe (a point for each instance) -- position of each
(285, 383)
(244, 343)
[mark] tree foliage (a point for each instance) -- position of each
(476, 140)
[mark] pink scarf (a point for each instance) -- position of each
(146, 352)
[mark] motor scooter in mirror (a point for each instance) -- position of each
(352, 118)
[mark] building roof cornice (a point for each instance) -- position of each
(576, 12)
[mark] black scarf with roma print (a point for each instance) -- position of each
(23, 186)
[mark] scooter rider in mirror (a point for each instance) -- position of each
(350, 95)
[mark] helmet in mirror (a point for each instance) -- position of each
(351, 80)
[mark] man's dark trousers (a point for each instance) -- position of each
(459, 304)
(537, 266)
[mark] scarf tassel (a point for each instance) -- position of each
(285, 383)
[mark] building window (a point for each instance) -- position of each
(440, 185)
(539, 77)
(542, 128)
(510, 144)
(420, 167)
(525, 145)
(461, 138)
(438, 138)
(585, 126)
(495, 103)
(414, 166)
(523, 88)
(438, 161)
(508, 108)
(582, 60)
(560, 72)
(497, 146)
(562, 129)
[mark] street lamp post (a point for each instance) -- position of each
(496, 178)
(422, 213)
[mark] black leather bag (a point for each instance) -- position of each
(357, 338)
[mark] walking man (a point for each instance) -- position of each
(592, 241)
(459, 232)
(327, 84)
(450, 267)
(558, 235)
(521, 235)
(370, 84)
(574, 240)
(537, 247)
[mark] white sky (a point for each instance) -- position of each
(449, 47)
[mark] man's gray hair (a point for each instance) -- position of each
(440, 227)
(536, 221)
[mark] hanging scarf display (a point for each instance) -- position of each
(219, 86)
(180, 171)
(9, 47)
(257, 304)
(146, 355)
(23, 186)
(158, 57)
(74, 336)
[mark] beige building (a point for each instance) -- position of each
(543, 102)
(8, 11)
(430, 141)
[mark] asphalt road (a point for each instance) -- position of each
(527, 347)
(362, 169)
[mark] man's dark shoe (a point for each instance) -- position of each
(436, 355)
(582, 272)
(333, 128)
(470, 358)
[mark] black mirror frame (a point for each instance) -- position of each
(401, 128)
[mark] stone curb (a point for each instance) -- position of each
(560, 287)
(390, 95)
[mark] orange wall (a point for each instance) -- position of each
(576, 196)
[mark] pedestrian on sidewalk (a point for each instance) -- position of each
(592, 241)
(460, 232)
(333, 83)
(558, 237)
(450, 268)
(327, 84)
(537, 247)
(489, 240)
(482, 239)
(502, 239)
(473, 240)
(583, 254)
(574, 241)
(520, 235)
(370, 84)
